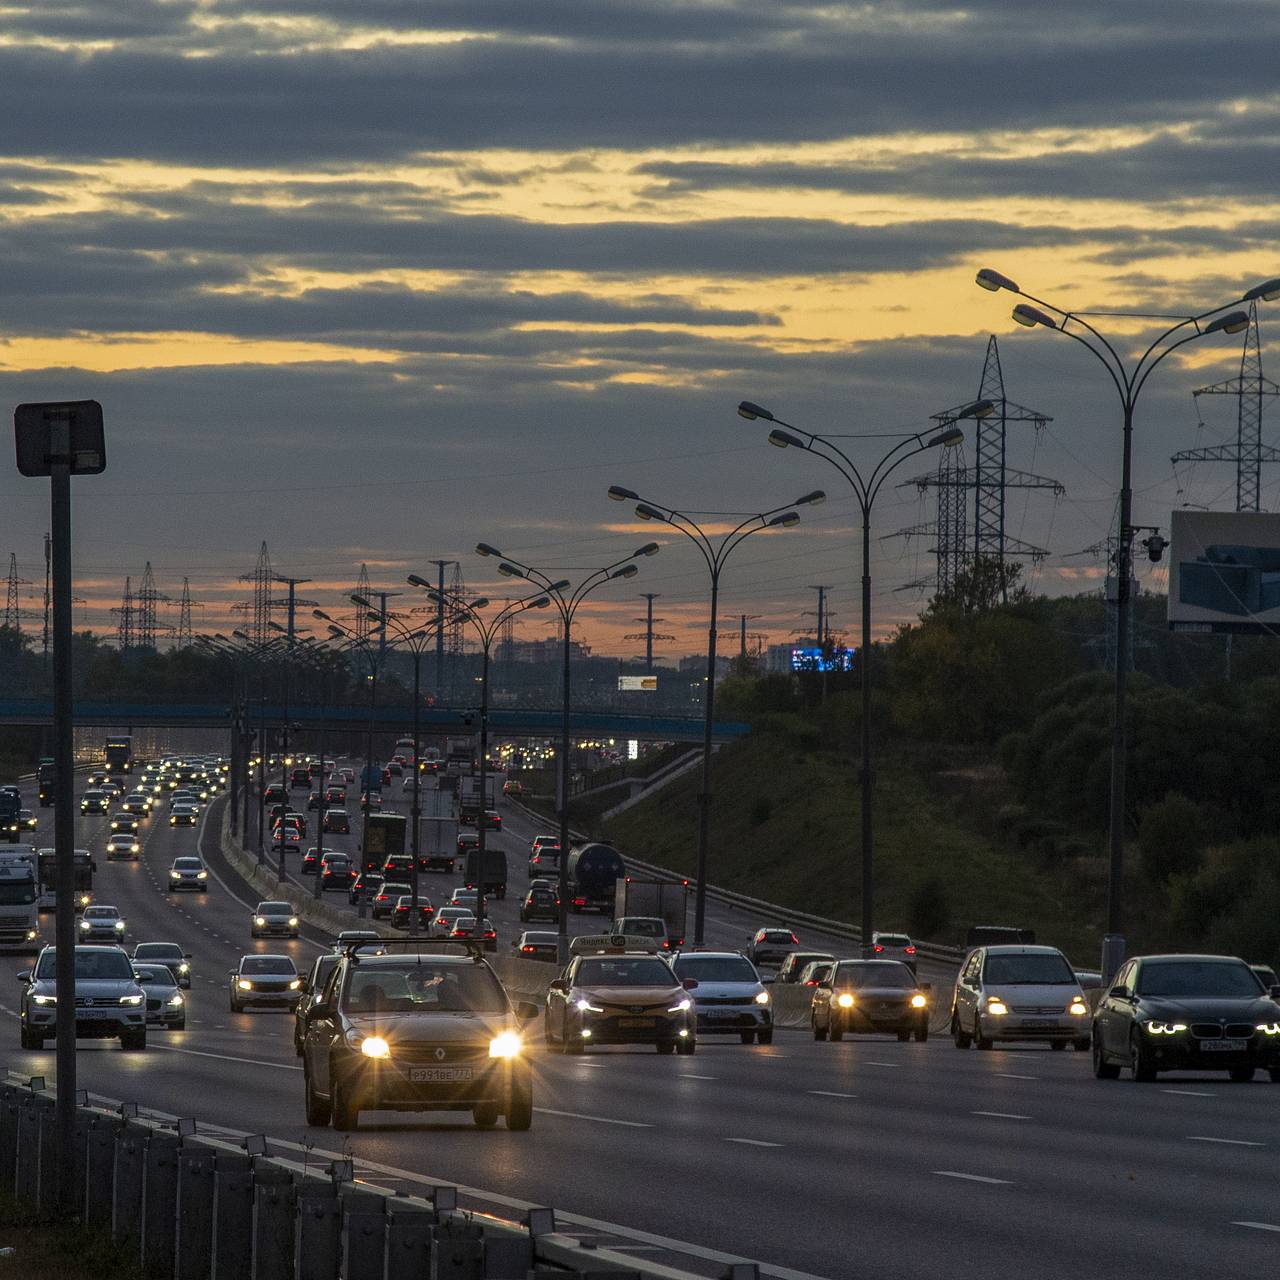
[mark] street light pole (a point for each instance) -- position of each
(1128, 381)
(865, 490)
(567, 606)
(714, 555)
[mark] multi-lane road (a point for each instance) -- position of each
(867, 1157)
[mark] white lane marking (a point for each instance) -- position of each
(972, 1177)
(1190, 1093)
(826, 1093)
(1226, 1142)
(1009, 1075)
(688, 1075)
(753, 1142)
(870, 1062)
(1258, 1226)
(226, 1057)
(576, 1115)
(1000, 1115)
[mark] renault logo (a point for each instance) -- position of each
(439, 1055)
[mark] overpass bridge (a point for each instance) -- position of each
(505, 722)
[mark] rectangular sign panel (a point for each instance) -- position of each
(1224, 572)
(812, 658)
(642, 684)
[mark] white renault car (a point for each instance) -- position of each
(1019, 993)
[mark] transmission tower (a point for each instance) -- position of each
(290, 603)
(146, 626)
(362, 615)
(13, 613)
(455, 635)
(957, 540)
(648, 635)
(182, 633)
(125, 625)
(1109, 549)
(259, 608)
(1248, 452)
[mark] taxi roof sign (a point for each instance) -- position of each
(612, 944)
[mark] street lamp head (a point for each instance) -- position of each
(649, 549)
(784, 521)
(951, 436)
(240, 635)
(978, 409)
(484, 549)
(811, 499)
(321, 615)
(415, 581)
(540, 603)
(1032, 316)
(781, 439)
(336, 632)
(619, 494)
(627, 571)
(562, 585)
(482, 603)
(646, 512)
(275, 626)
(753, 411)
(359, 600)
(509, 570)
(1268, 291)
(993, 281)
(1232, 322)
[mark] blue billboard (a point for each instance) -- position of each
(814, 658)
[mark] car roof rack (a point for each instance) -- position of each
(467, 946)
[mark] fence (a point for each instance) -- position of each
(196, 1206)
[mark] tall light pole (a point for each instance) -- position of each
(865, 491)
(714, 554)
(487, 631)
(263, 654)
(567, 599)
(1128, 380)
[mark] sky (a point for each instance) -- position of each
(375, 280)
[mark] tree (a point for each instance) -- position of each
(1172, 834)
(983, 585)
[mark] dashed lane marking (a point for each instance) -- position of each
(1258, 1226)
(1000, 1115)
(1190, 1093)
(576, 1115)
(753, 1142)
(226, 1057)
(1009, 1075)
(1226, 1142)
(827, 1093)
(972, 1177)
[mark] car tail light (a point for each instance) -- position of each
(795, 942)
(527, 949)
(490, 933)
(910, 951)
(579, 902)
(879, 947)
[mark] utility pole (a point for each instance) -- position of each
(441, 566)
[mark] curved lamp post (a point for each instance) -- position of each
(866, 488)
(1128, 380)
(566, 599)
(714, 554)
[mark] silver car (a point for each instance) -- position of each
(273, 919)
(101, 923)
(265, 980)
(109, 1001)
(727, 994)
(166, 1005)
(1019, 993)
(188, 873)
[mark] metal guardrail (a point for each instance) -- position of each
(192, 1205)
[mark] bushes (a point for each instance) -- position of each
(929, 909)
(1172, 835)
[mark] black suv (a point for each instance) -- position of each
(415, 1025)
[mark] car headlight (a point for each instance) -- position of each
(844, 1000)
(184, 967)
(293, 922)
(259, 920)
(1077, 1007)
(295, 984)
(202, 875)
(997, 1008)
(44, 1000)
(119, 926)
(762, 997)
(1269, 1028)
(135, 847)
(176, 999)
(85, 924)
(132, 1000)
(506, 1045)
(1165, 1028)
(918, 1001)
(244, 984)
(375, 1047)
(681, 1005)
(32, 935)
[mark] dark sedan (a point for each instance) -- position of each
(1186, 1013)
(870, 995)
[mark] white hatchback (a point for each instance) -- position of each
(1019, 993)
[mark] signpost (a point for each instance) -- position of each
(61, 440)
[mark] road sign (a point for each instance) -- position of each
(67, 430)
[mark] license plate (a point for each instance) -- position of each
(440, 1075)
(637, 1022)
(721, 1013)
(1223, 1046)
(1038, 1022)
(95, 1013)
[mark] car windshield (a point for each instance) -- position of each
(893, 940)
(887, 973)
(778, 935)
(187, 864)
(715, 969)
(157, 973)
(625, 972)
(267, 964)
(157, 951)
(274, 909)
(644, 928)
(99, 913)
(1198, 978)
(1035, 969)
(423, 987)
(541, 939)
(90, 965)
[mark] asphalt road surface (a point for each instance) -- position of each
(863, 1158)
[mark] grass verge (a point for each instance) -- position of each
(58, 1250)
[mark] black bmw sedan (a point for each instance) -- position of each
(1186, 1013)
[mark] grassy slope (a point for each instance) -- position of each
(807, 852)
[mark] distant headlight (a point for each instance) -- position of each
(119, 925)
(32, 935)
(184, 967)
(844, 1000)
(85, 899)
(293, 922)
(1077, 1007)
(376, 1047)
(506, 1045)
(1269, 1028)
(587, 1007)
(85, 924)
(202, 875)
(997, 1008)
(762, 997)
(131, 1000)
(175, 875)
(135, 847)
(681, 1005)
(918, 1001)
(295, 984)
(1165, 1028)
(44, 1000)
(259, 920)
(244, 984)
(176, 999)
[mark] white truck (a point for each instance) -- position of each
(19, 894)
(469, 804)
(665, 900)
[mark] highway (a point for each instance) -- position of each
(863, 1158)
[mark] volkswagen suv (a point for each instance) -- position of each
(109, 1001)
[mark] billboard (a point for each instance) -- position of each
(1224, 572)
(812, 658)
(634, 684)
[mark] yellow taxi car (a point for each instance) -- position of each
(618, 991)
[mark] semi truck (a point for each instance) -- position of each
(119, 751)
(19, 894)
(10, 823)
(383, 836)
(47, 870)
(470, 805)
(667, 900)
(594, 871)
(45, 775)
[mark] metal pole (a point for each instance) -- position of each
(234, 799)
(704, 797)
(317, 888)
(63, 809)
(284, 762)
(415, 809)
(562, 799)
(262, 768)
(245, 740)
(865, 774)
(440, 564)
(484, 767)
